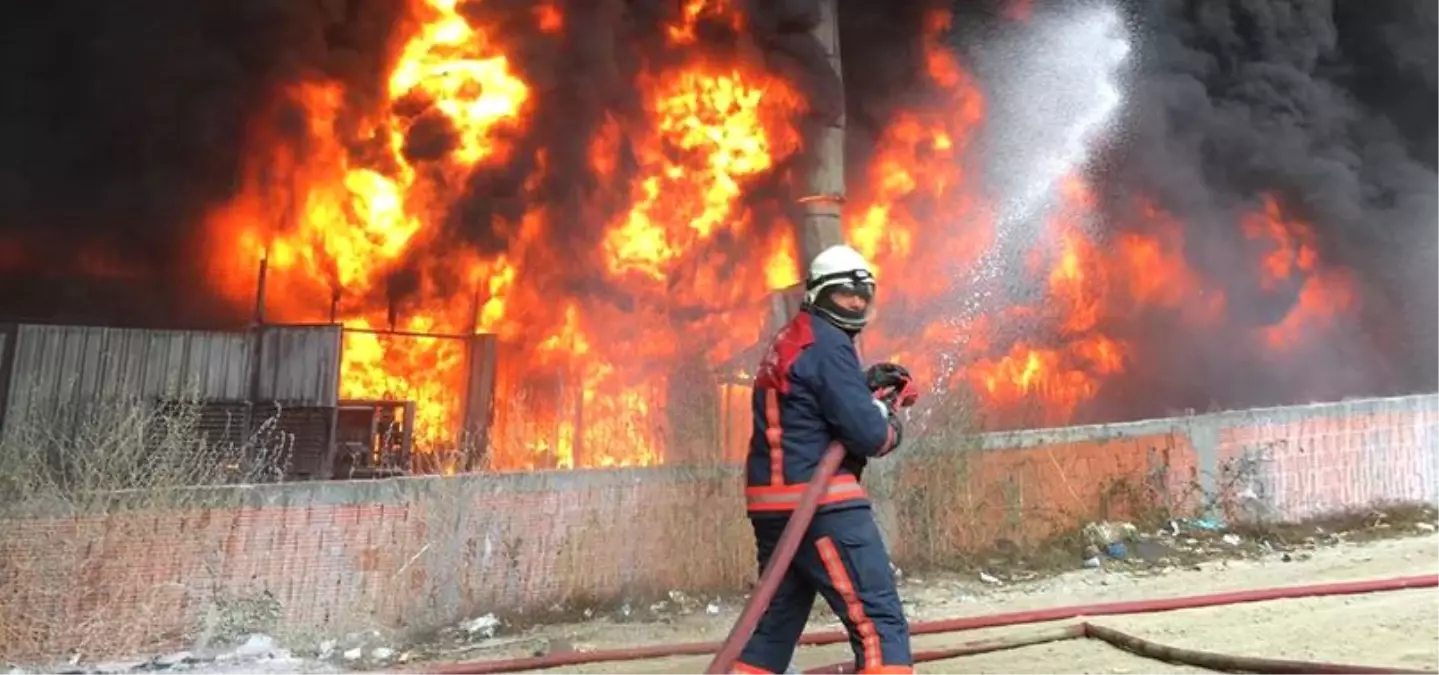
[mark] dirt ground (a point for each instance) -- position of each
(1396, 629)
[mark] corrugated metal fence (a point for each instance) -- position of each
(59, 381)
(54, 365)
(57, 375)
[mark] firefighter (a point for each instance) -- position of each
(810, 391)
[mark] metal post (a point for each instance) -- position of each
(9, 339)
(825, 192)
(327, 466)
(257, 349)
(724, 385)
(475, 304)
(480, 358)
(259, 318)
(407, 438)
(327, 462)
(823, 200)
(577, 444)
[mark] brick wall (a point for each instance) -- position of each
(324, 558)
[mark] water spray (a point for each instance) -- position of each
(1059, 85)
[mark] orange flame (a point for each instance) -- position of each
(1323, 294)
(347, 226)
(569, 398)
(601, 337)
(719, 117)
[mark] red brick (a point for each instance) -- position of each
(337, 567)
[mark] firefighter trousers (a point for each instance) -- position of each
(842, 558)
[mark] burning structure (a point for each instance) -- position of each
(269, 393)
(607, 190)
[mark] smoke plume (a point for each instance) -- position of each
(1328, 105)
(122, 124)
(125, 124)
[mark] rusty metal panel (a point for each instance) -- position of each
(300, 365)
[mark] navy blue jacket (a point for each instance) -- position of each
(810, 391)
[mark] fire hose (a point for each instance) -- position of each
(769, 579)
(1144, 648)
(727, 651)
(779, 561)
(1228, 663)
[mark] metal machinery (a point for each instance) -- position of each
(373, 439)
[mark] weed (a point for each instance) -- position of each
(88, 504)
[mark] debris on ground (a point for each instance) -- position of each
(258, 653)
(482, 627)
(1111, 553)
(1189, 542)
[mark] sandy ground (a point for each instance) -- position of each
(1396, 629)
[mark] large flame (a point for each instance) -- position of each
(349, 223)
(608, 343)
(567, 396)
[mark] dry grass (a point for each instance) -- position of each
(949, 504)
(692, 536)
(634, 542)
(591, 540)
(82, 493)
(558, 543)
(926, 491)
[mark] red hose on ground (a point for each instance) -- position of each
(960, 624)
(1229, 663)
(1165, 605)
(970, 648)
(779, 561)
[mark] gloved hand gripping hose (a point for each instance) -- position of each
(779, 561)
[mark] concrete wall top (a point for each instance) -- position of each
(409, 489)
(1031, 437)
(416, 489)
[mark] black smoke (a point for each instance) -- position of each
(583, 84)
(1330, 107)
(123, 124)
(884, 68)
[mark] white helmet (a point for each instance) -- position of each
(840, 267)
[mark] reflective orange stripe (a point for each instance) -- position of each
(747, 669)
(774, 435)
(842, 487)
(839, 576)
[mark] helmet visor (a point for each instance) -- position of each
(853, 282)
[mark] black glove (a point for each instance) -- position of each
(855, 464)
(881, 375)
(891, 383)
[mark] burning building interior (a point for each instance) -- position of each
(553, 230)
